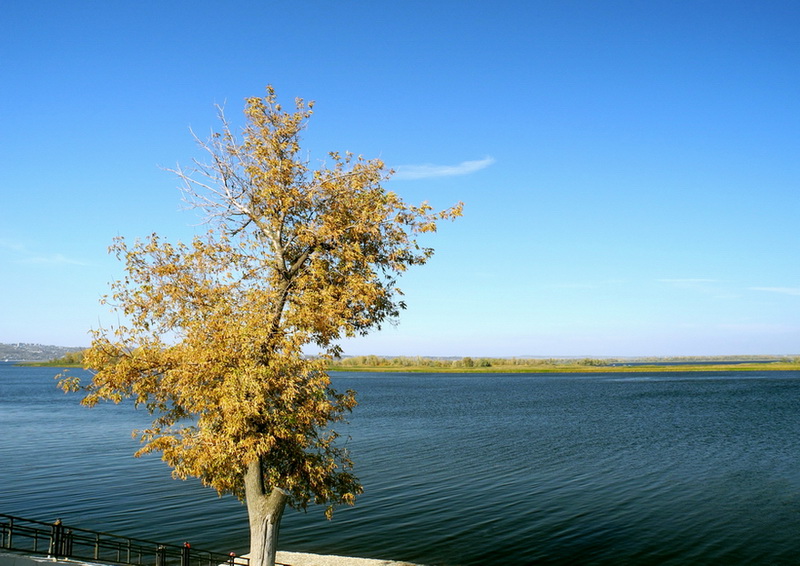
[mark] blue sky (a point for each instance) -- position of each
(630, 169)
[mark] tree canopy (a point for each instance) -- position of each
(213, 333)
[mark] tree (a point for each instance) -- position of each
(215, 329)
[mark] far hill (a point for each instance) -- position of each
(23, 352)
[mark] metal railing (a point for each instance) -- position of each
(57, 540)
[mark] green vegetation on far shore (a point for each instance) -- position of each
(69, 360)
(418, 364)
(559, 365)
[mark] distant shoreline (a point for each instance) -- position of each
(618, 367)
(739, 367)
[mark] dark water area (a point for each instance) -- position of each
(601, 468)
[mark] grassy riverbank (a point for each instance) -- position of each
(575, 368)
(51, 364)
(69, 360)
(530, 365)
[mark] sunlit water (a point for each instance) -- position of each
(656, 468)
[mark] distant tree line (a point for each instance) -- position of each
(466, 362)
(373, 361)
(68, 359)
(75, 358)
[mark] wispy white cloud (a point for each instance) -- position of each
(780, 290)
(713, 288)
(411, 172)
(576, 286)
(691, 284)
(24, 255)
(758, 327)
(590, 285)
(55, 259)
(687, 282)
(11, 245)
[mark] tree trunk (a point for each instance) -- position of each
(265, 511)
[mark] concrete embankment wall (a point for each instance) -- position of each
(11, 559)
(285, 558)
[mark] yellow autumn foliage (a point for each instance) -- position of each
(214, 331)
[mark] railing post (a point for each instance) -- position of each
(161, 555)
(96, 546)
(67, 550)
(185, 554)
(7, 542)
(56, 539)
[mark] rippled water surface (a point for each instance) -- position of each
(657, 468)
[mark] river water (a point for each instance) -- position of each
(608, 468)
